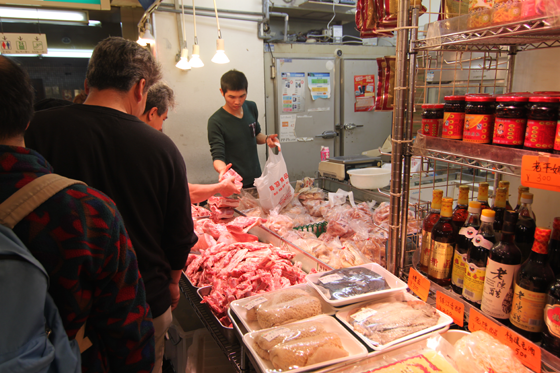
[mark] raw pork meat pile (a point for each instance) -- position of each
(239, 270)
(210, 233)
(222, 207)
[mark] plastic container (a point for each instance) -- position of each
(506, 11)
(432, 119)
(453, 117)
(511, 120)
(370, 177)
(395, 284)
(480, 13)
(479, 119)
(325, 153)
(542, 120)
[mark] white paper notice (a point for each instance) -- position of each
(319, 85)
(293, 92)
(288, 128)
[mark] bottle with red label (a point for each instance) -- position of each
(453, 117)
(479, 118)
(511, 120)
(532, 284)
(432, 119)
(542, 120)
(557, 137)
(551, 332)
(477, 258)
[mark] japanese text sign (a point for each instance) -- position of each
(541, 172)
(451, 307)
(418, 284)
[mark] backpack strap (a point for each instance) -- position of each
(25, 200)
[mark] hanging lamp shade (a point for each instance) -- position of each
(220, 56)
(195, 60)
(183, 62)
(147, 38)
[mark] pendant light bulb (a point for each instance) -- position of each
(195, 60)
(220, 56)
(183, 62)
(147, 38)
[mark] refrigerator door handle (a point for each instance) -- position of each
(328, 135)
(351, 126)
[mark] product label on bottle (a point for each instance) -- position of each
(459, 268)
(426, 248)
(527, 310)
(440, 261)
(497, 295)
(552, 319)
(557, 137)
(430, 127)
(540, 134)
(480, 241)
(468, 232)
(478, 128)
(509, 131)
(453, 124)
(474, 282)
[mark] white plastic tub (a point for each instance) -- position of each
(370, 177)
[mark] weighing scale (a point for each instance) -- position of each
(336, 167)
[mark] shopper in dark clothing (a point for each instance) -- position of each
(234, 131)
(79, 237)
(103, 143)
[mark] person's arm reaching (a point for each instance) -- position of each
(269, 140)
(201, 192)
(221, 168)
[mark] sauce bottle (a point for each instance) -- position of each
(551, 328)
(477, 257)
(526, 225)
(464, 237)
(504, 260)
(442, 247)
(483, 195)
(427, 225)
(520, 190)
(499, 208)
(532, 283)
(554, 248)
(505, 184)
(460, 212)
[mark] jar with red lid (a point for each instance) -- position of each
(432, 118)
(510, 121)
(541, 123)
(479, 118)
(557, 137)
(453, 117)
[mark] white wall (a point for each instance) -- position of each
(537, 70)
(197, 91)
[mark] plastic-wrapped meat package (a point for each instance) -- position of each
(332, 212)
(350, 256)
(361, 212)
(279, 223)
(351, 282)
(381, 214)
(312, 193)
(479, 352)
(340, 227)
(247, 201)
(316, 207)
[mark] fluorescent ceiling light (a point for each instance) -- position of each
(45, 14)
(61, 53)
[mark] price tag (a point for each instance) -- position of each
(541, 172)
(275, 333)
(255, 302)
(478, 321)
(450, 307)
(526, 351)
(331, 278)
(419, 284)
(363, 314)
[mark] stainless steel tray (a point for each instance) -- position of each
(227, 331)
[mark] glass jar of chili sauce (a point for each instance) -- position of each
(511, 120)
(479, 118)
(557, 137)
(432, 119)
(541, 123)
(453, 117)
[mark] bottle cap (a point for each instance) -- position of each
(501, 196)
(437, 195)
(447, 207)
(510, 220)
(522, 188)
(474, 207)
(504, 184)
(542, 235)
(463, 195)
(527, 197)
(488, 215)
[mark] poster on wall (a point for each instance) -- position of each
(288, 128)
(364, 91)
(293, 89)
(319, 85)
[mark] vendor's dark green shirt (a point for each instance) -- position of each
(233, 140)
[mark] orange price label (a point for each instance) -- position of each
(478, 321)
(419, 284)
(541, 172)
(526, 351)
(450, 307)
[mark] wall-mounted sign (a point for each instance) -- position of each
(13, 43)
(68, 4)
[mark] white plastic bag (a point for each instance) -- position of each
(274, 185)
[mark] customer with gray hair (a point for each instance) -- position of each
(103, 143)
(160, 99)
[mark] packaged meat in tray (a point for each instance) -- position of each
(303, 345)
(394, 319)
(280, 307)
(345, 286)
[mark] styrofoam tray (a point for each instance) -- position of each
(356, 350)
(442, 325)
(238, 306)
(396, 285)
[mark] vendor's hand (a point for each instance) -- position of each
(227, 187)
(270, 141)
(221, 176)
(175, 295)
